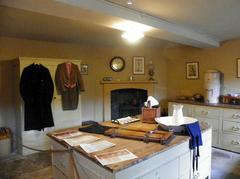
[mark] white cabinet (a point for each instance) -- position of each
(225, 123)
(62, 119)
(231, 130)
(211, 117)
(174, 162)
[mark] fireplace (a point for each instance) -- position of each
(127, 102)
(109, 87)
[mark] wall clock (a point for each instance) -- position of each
(117, 64)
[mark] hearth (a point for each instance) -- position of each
(127, 102)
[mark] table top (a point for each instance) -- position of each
(142, 150)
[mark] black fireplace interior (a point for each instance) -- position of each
(127, 102)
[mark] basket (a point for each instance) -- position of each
(149, 115)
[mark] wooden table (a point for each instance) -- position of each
(154, 160)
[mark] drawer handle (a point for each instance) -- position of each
(204, 113)
(236, 116)
(235, 128)
(235, 142)
(205, 123)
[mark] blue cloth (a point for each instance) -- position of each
(194, 132)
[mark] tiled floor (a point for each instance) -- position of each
(35, 166)
(225, 165)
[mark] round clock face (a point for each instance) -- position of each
(117, 64)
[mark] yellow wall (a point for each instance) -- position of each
(98, 59)
(222, 59)
(170, 66)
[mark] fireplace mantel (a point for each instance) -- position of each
(109, 86)
(128, 82)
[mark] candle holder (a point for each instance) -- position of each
(151, 69)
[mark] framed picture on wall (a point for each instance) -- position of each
(84, 69)
(192, 70)
(238, 67)
(138, 65)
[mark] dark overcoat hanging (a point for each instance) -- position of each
(36, 88)
(69, 84)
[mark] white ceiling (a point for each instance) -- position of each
(199, 23)
(217, 18)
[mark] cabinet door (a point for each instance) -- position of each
(163, 172)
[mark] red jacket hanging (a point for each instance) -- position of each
(69, 84)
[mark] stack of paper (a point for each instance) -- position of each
(96, 146)
(115, 157)
(74, 141)
(67, 134)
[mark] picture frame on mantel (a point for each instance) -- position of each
(238, 67)
(138, 65)
(192, 70)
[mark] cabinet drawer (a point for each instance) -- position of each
(230, 126)
(163, 171)
(231, 114)
(231, 141)
(210, 122)
(207, 112)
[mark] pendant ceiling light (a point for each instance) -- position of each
(132, 36)
(129, 2)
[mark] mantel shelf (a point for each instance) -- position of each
(127, 82)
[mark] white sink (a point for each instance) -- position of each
(168, 121)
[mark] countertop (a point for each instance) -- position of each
(205, 104)
(139, 148)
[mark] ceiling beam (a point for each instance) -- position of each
(167, 30)
(112, 9)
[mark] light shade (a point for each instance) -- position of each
(129, 2)
(132, 36)
(153, 101)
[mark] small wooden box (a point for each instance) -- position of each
(149, 114)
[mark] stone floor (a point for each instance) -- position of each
(35, 166)
(225, 165)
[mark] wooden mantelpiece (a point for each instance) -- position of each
(128, 82)
(109, 86)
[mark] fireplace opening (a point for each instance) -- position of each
(127, 102)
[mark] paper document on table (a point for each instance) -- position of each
(74, 141)
(67, 134)
(126, 120)
(96, 146)
(115, 157)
